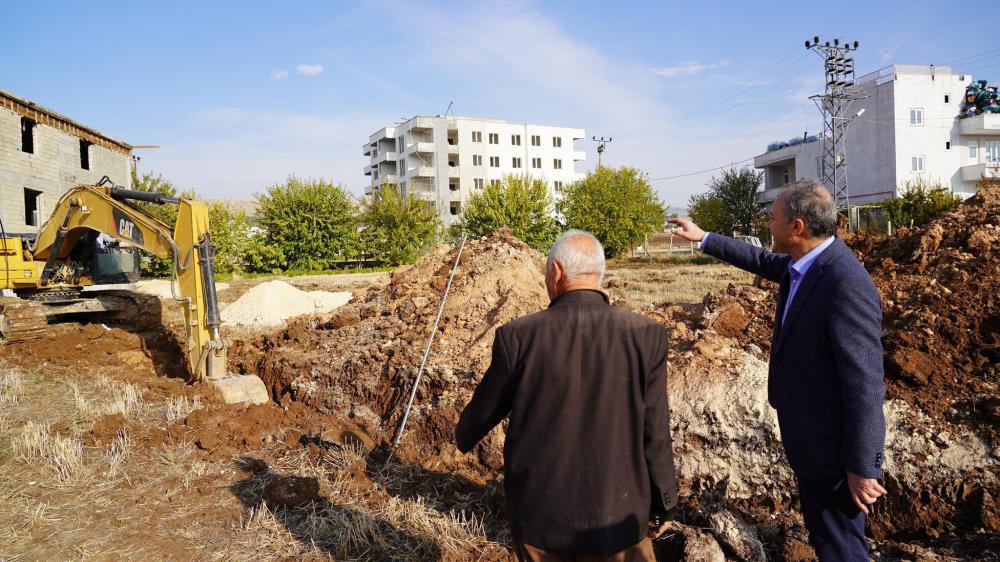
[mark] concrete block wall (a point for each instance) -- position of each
(52, 169)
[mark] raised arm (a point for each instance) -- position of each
(758, 261)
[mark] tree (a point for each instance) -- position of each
(397, 229)
(920, 203)
(730, 203)
(521, 203)
(617, 206)
(167, 214)
(709, 213)
(312, 222)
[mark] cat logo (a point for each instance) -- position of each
(125, 228)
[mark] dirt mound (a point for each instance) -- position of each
(942, 313)
(361, 363)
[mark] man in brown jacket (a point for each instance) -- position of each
(588, 452)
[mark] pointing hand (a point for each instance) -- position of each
(686, 229)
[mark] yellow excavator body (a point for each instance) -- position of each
(46, 267)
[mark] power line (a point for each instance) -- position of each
(723, 147)
(731, 164)
(696, 113)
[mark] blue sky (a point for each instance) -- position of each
(241, 94)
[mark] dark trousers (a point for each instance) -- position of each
(640, 552)
(836, 526)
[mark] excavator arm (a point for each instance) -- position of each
(109, 210)
(106, 209)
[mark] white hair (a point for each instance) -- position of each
(575, 258)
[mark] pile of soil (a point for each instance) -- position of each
(362, 362)
(942, 313)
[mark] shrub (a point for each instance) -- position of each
(397, 229)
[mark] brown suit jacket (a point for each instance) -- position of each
(588, 452)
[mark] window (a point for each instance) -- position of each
(947, 145)
(494, 161)
(916, 116)
(557, 164)
(786, 175)
(27, 135)
(477, 183)
(992, 152)
(917, 163)
(557, 142)
(559, 208)
(515, 162)
(494, 183)
(974, 150)
(477, 136)
(455, 207)
(453, 186)
(32, 204)
(477, 159)
(820, 168)
(557, 185)
(494, 138)
(947, 99)
(85, 154)
(536, 163)
(515, 140)
(536, 140)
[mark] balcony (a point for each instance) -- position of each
(423, 172)
(423, 194)
(422, 147)
(452, 148)
(975, 171)
(422, 123)
(386, 156)
(368, 170)
(453, 172)
(579, 155)
(985, 124)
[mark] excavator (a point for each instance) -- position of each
(88, 238)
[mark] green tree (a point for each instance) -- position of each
(167, 214)
(617, 206)
(312, 222)
(521, 203)
(920, 203)
(730, 203)
(709, 213)
(397, 229)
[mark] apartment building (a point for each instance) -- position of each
(44, 154)
(444, 160)
(910, 130)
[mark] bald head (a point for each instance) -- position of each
(576, 261)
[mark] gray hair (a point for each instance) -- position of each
(811, 201)
(575, 258)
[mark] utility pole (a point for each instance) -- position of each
(600, 147)
(841, 92)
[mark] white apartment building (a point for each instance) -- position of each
(44, 154)
(446, 159)
(910, 130)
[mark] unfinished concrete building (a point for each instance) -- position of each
(42, 155)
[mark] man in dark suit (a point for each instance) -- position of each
(588, 451)
(825, 378)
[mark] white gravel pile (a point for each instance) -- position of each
(270, 304)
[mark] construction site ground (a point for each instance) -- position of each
(107, 453)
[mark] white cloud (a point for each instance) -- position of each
(279, 75)
(309, 69)
(687, 69)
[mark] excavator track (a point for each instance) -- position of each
(27, 319)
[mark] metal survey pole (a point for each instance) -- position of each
(427, 350)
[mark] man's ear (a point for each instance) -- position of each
(799, 227)
(558, 275)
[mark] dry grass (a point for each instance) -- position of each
(11, 386)
(178, 408)
(673, 280)
(36, 442)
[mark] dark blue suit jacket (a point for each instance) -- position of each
(826, 377)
